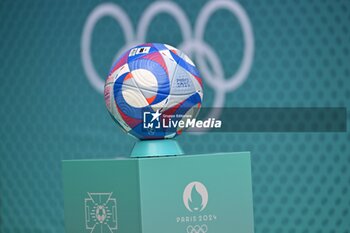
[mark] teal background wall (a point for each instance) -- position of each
(49, 111)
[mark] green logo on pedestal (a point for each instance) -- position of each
(101, 213)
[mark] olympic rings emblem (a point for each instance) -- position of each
(193, 44)
(197, 229)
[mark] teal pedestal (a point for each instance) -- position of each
(189, 194)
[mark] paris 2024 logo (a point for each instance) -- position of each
(195, 199)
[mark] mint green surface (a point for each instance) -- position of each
(150, 148)
(149, 193)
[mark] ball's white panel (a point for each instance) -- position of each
(150, 96)
(176, 99)
(171, 64)
(112, 107)
(110, 79)
(187, 59)
(134, 97)
(166, 55)
(171, 47)
(120, 71)
(145, 80)
(197, 86)
(129, 81)
(108, 95)
(181, 83)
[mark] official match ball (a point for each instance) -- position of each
(153, 90)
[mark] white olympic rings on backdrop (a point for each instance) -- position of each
(193, 45)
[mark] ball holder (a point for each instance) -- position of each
(149, 148)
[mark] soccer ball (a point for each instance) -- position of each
(151, 88)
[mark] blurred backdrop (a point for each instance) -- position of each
(271, 53)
